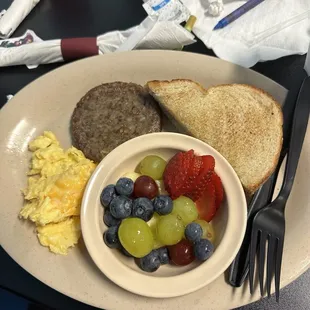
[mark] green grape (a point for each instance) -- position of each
(136, 237)
(152, 166)
(207, 230)
(186, 209)
(131, 175)
(153, 225)
(170, 229)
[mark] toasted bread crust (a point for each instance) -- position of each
(250, 188)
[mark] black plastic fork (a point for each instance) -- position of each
(269, 223)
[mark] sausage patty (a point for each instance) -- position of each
(111, 114)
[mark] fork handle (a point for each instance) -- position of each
(299, 127)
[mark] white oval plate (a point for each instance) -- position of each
(48, 102)
(168, 281)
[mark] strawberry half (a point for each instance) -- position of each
(203, 178)
(219, 190)
(206, 205)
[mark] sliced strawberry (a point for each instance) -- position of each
(171, 170)
(219, 190)
(192, 175)
(206, 205)
(176, 173)
(182, 173)
(203, 178)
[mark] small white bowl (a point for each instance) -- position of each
(168, 281)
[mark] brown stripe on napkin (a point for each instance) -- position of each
(76, 48)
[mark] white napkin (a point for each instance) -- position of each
(158, 11)
(140, 32)
(159, 30)
(14, 15)
(273, 29)
(164, 35)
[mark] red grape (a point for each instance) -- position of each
(182, 253)
(145, 187)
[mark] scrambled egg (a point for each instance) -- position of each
(60, 236)
(56, 182)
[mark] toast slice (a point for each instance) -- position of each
(240, 121)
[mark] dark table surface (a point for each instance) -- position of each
(53, 19)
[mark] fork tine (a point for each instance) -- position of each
(278, 267)
(253, 247)
(261, 261)
(270, 262)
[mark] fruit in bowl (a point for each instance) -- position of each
(184, 264)
(156, 228)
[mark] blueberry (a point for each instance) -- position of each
(109, 220)
(203, 249)
(111, 237)
(124, 186)
(143, 208)
(107, 195)
(193, 232)
(150, 262)
(163, 204)
(121, 207)
(163, 256)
